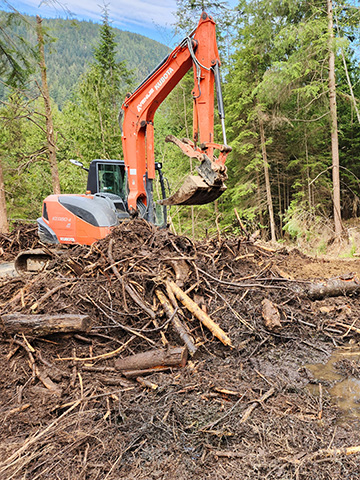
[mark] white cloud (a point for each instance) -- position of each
(122, 13)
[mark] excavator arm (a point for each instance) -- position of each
(198, 50)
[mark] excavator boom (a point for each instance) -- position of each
(198, 50)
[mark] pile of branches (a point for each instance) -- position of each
(141, 301)
(140, 276)
(22, 237)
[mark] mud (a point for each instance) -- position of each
(196, 422)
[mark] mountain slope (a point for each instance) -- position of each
(69, 51)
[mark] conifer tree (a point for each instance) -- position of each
(98, 99)
(15, 61)
(16, 55)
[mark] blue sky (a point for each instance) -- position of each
(152, 18)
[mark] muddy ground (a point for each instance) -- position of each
(250, 411)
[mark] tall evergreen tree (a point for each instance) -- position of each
(249, 181)
(93, 114)
(281, 66)
(16, 55)
(15, 62)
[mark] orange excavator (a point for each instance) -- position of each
(120, 189)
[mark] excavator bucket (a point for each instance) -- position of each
(197, 190)
(194, 191)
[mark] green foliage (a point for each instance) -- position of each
(277, 72)
(26, 169)
(303, 224)
(15, 53)
(279, 68)
(69, 56)
(92, 117)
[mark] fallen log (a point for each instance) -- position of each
(333, 287)
(152, 361)
(198, 313)
(40, 325)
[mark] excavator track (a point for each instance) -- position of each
(31, 262)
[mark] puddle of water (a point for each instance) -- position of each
(344, 389)
(347, 396)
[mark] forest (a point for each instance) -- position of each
(225, 346)
(290, 79)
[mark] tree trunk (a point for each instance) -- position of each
(49, 122)
(333, 124)
(308, 171)
(258, 199)
(267, 180)
(333, 287)
(4, 225)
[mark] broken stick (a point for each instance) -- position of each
(198, 313)
(252, 407)
(182, 331)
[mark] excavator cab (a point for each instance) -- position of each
(107, 176)
(109, 179)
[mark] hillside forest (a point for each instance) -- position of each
(291, 84)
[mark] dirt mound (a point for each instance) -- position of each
(232, 412)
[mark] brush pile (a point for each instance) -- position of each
(150, 355)
(22, 237)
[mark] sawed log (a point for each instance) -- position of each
(39, 325)
(152, 361)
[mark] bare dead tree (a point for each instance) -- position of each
(267, 179)
(48, 114)
(334, 126)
